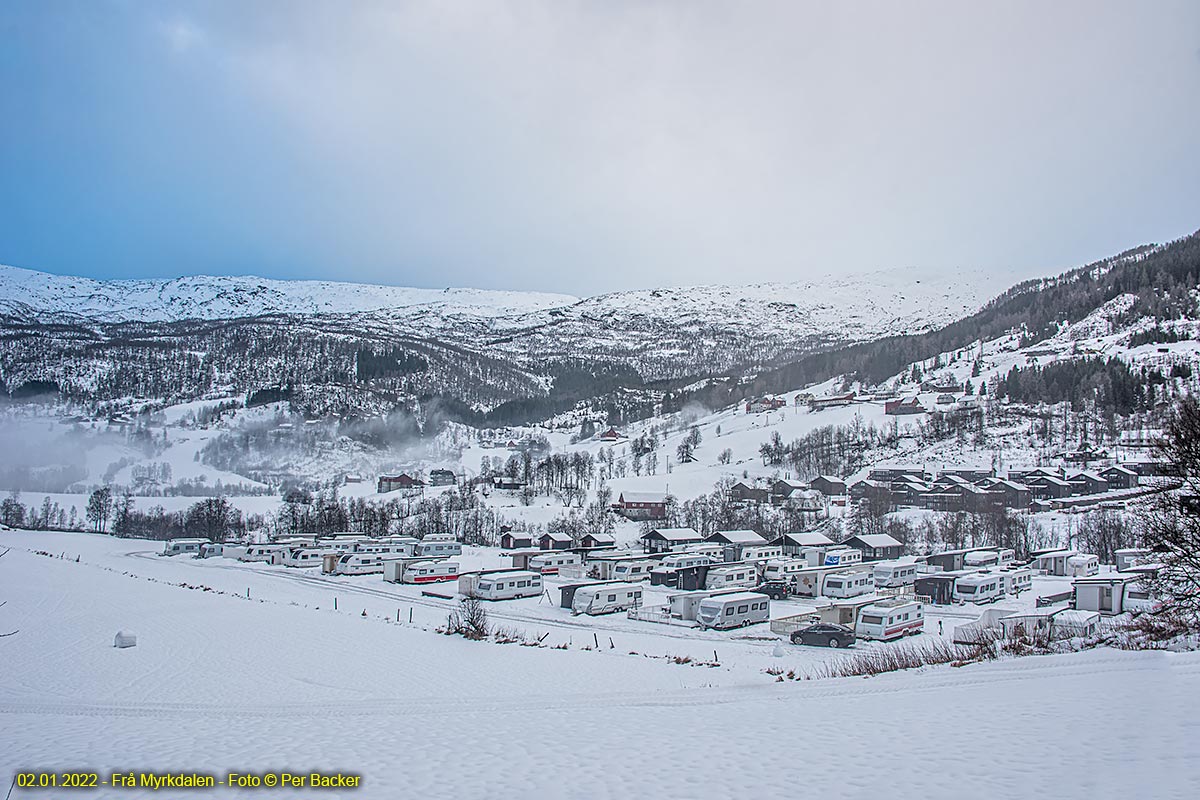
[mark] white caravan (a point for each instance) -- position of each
(716, 551)
(606, 598)
(892, 574)
(217, 549)
(437, 549)
(761, 552)
(890, 619)
(359, 564)
(637, 569)
(732, 575)
(551, 563)
(304, 557)
(986, 587)
(1083, 565)
(685, 560)
(1014, 580)
(733, 610)
(430, 572)
(338, 545)
(783, 569)
(500, 585)
(438, 537)
(849, 584)
(271, 553)
(989, 558)
(842, 556)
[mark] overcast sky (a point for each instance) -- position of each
(590, 147)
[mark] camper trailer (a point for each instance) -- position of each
(711, 549)
(1083, 565)
(760, 552)
(217, 549)
(683, 560)
(989, 557)
(304, 557)
(841, 556)
(637, 569)
(271, 553)
(358, 564)
(504, 585)
(733, 610)
(783, 569)
(430, 572)
(340, 544)
(984, 587)
(437, 548)
(175, 547)
(549, 563)
(892, 574)
(732, 575)
(1015, 580)
(890, 619)
(606, 598)
(849, 584)
(438, 537)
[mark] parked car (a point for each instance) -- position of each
(824, 634)
(776, 590)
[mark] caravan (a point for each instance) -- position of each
(892, 574)
(217, 549)
(842, 556)
(637, 569)
(760, 552)
(984, 587)
(849, 584)
(550, 563)
(605, 598)
(430, 572)
(1014, 580)
(304, 557)
(1083, 565)
(783, 569)
(733, 610)
(437, 548)
(731, 575)
(989, 557)
(890, 619)
(358, 564)
(271, 553)
(504, 585)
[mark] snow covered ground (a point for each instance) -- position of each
(220, 682)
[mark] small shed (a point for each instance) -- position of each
(876, 546)
(514, 540)
(597, 541)
(938, 587)
(666, 540)
(554, 540)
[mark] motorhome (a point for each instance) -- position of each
(849, 584)
(892, 574)
(551, 562)
(508, 585)
(271, 553)
(358, 564)
(304, 557)
(984, 587)
(783, 569)
(175, 547)
(733, 610)
(841, 556)
(430, 572)
(890, 619)
(437, 548)
(732, 575)
(606, 598)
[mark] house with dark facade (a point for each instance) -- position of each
(403, 481)
(828, 486)
(1119, 477)
(666, 540)
(641, 505)
(742, 492)
(876, 546)
(554, 540)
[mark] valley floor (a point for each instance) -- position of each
(219, 682)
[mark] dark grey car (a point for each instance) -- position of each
(824, 634)
(776, 590)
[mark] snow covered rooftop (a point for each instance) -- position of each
(878, 540)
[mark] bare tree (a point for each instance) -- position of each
(1170, 519)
